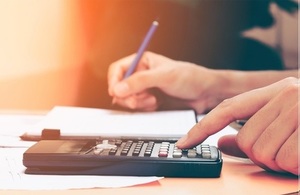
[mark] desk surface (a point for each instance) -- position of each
(237, 178)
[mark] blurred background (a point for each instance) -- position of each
(57, 52)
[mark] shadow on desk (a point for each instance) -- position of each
(238, 177)
(242, 167)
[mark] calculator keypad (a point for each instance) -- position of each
(123, 157)
(149, 149)
(153, 149)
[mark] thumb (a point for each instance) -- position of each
(227, 144)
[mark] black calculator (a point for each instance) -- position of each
(122, 157)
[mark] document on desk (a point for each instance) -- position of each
(79, 122)
(12, 176)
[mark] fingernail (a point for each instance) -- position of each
(182, 140)
(121, 88)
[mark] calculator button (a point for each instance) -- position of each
(164, 147)
(118, 142)
(112, 151)
(191, 153)
(206, 154)
(199, 150)
(97, 151)
(205, 148)
(177, 154)
(163, 154)
(163, 150)
(147, 153)
(149, 149)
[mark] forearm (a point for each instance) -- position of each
(235, 82)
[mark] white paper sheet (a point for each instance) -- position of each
(77, 121)
(12, 176)
(17, 124)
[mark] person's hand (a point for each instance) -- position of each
(269, 137)
(162, 83)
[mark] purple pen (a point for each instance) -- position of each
(142, 49)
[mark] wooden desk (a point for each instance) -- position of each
(237, 178)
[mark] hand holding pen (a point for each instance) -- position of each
(140, 52)
(159, 82)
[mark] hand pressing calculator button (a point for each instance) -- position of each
(122, 157)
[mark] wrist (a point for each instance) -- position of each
(224, 84)
(229, 83)
(218, 85)
(233, 82)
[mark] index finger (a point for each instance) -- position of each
(239, 107)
